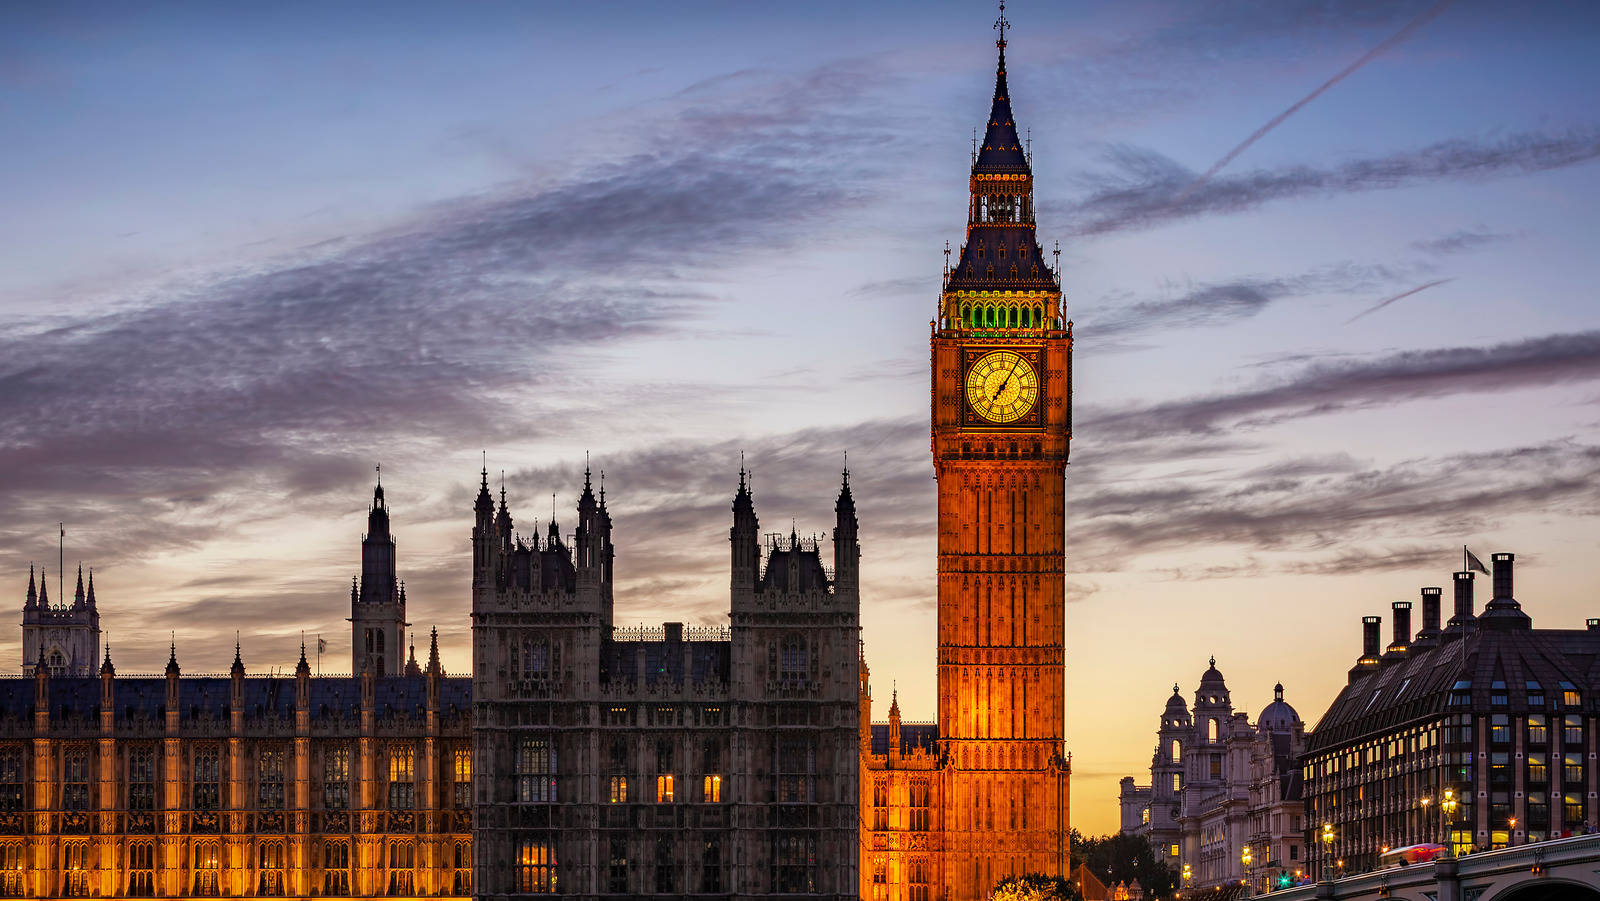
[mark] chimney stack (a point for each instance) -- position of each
(1502, 575)
(1463, 615)
(1432, 599)
(1402, 626)
(1371, 640)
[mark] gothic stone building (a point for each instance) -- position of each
(173, 785)
(951, 809)
(1224, 799)
(595, 761)
(1476, 735)
(671, 762)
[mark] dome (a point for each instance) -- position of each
(1212, 678)
(1278, 716)
(1175, 703)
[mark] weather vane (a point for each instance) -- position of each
(1001, 25)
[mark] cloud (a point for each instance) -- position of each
(1138, 190)
(1222, 303)
(1343, 384)
(1432, 497)
(285, 378)
(1401, 296)
(1460, 241)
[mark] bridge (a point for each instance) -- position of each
(1566, 869)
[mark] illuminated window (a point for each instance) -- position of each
(1144, 816)
(269, 880)
(1211, 730)
(141, 869)
(11, 779)
(1538, 768)
(336, 778)
(880, 805)
(461, 885)
(1177, 751)
(336, 868)
(536, 771)
(1500, 729)
(664, 789)
(1177, 782)
(461, 789)
(12, 872)
(402, 862)
(619, 789)
(1572, 730)
(269, 779)
(713, 789)
(1572, 808)
(919, 805)
(1172, 851)
(917, 875)
(711, 867)
(536, 867)
(75, 869)
(75, 779)
(402, 776)
(1538, 730)
(1570, 698)
(207, 867)
(1572, 768)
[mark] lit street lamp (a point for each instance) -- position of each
(1327, 845)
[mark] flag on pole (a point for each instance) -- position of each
(1472, 562)
(321, 645)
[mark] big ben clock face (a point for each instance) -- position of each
(1002, 387)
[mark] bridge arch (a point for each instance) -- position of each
(1545, 889)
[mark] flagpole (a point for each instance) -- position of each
(61, 556)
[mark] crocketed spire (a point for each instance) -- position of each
(77, 594)
(1001, 150)
(33, 593)
(433, 653)
(90, 598)
(44, 587)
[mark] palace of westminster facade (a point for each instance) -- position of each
(586, 759)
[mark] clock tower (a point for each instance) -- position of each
(1002, 403)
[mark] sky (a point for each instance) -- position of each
(251, 253)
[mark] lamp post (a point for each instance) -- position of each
(1511, 834)
(1245, 857)
(1447, 812)
(1188, 875)
(1327, 845)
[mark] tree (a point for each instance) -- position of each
(1034, 887)
(1124, 858)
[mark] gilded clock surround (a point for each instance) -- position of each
(1002, 387)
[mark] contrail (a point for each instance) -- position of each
(1401, 296)
(1277, 120)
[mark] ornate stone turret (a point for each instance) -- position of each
(744, 537)
(846, 538)
(378, 605)
(66, 637)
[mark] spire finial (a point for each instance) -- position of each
(1213, 661)
(486, 470)
(1001, 25)
(847, 468)
(602, 488)
(1175, 688)
(379, 468)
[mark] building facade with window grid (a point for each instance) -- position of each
(1478, 734)
(116, 786)
(671, 761)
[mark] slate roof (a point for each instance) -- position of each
(912, 736)
(1468, 662)
(207, 697)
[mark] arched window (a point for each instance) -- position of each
(966, 314)
(1211, 729)
(792, 659)
(1177, 751)
(1013, 313)
(1038, 316)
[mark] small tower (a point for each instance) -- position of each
(483, 544)
(745, 539)
(846, 539)
(377, 605)
(593, 552)
(66, 637)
